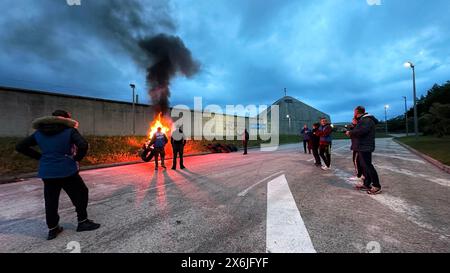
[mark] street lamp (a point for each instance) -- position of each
(385, 117)
(133, 87)
(406, 116)
(416, 122)
(289, 118)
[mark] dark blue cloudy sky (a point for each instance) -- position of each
(331, 54)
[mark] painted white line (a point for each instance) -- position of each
(412, 213)
(332, 151)
(245, 192)
(441, 181)
(340, 148)
(400, 157)
(285, 230)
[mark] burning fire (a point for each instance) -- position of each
(163, 122)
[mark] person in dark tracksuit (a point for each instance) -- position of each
(159, 141)
(364, 137)
(356, 162)
(245, 139)
(315, 143)
(306, 132)
(324, 133)
(62, 147)
(178, 140)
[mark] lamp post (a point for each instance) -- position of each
(406, 116)
(133, 87)
(416, 121)
(289, 118)
(385, 117)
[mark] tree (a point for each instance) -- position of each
(433, 111)
(437, 121)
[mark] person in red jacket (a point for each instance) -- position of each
(324, 133)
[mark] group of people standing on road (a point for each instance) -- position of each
(159, 141)
(61, 148)
(318, 141)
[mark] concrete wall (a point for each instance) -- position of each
(18, 108)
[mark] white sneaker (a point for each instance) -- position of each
(354, 178)
(325, 168)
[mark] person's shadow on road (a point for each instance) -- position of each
(34, 228)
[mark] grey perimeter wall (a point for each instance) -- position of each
(18, 108)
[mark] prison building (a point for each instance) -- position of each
(294, 114)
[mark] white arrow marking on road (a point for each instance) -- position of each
(245, 192)
(285, 232)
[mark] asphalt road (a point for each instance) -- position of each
(263, 202)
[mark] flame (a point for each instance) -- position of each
(163, 122)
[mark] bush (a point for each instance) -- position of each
(437, 121)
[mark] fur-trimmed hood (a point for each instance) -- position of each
(375, 120)
(51, 125)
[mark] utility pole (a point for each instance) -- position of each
(406, 116)
(416, 119)
(385, 117)
(133, 86)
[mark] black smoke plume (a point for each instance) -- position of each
(123, 27)
(170, 58)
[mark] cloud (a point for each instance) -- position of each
(332, 54)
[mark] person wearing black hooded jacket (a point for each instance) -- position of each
(363, 138)
(62, 147)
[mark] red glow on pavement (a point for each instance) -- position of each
(161, 194)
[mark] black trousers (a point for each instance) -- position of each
(357, 164)
(160, 152)
(76, 190)
(177, 151)
(245, 146)
(315, 151)
(305, 145)
(325, 154)
(371, 175)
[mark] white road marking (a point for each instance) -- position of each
(394, 151)
(333, 152)
(396, 204)
(340, 148)
(440, 181)
(245, 192)
(401, 158)
(285, 231)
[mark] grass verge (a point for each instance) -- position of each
(106, 150)
(435, 147)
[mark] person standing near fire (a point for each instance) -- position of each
(178, 140)
(245, 139)
(61, 149)
(159, 141)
